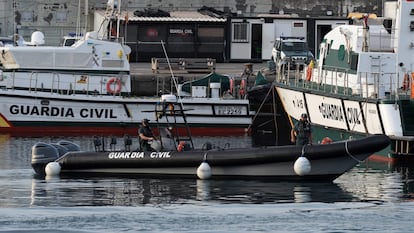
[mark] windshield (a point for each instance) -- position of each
(4, 42)
(293, 46)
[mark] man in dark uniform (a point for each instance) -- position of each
(145, 135)
(302, 132)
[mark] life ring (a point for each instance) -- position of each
(309, 71)
(242, 91)
(406, 82)
(326, 140)
(412, 85)
(308, 74)
(231, 86)
(117, 83)
(181, 146)
(171, 108)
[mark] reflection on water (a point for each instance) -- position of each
(361, 184)
(21, 188)
(380, 182)
(135, 192)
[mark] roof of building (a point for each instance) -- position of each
(175, 16)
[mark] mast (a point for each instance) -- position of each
(86, 16)
(113, 11)
(118, 18)
(14, 23)
(77, 31)
(365, 33)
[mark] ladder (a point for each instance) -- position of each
(376, 70)
(173, 111)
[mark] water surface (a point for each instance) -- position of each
(373, 197)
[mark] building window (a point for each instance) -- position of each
(27, 16)
(61, 16)
(298, 25)
(240, 32)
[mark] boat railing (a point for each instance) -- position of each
(30, 82)
(370, 85)
(57, 84)
(53, 82)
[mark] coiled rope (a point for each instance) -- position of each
(350, 155)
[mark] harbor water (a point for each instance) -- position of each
(372, 197)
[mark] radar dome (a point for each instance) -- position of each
(37, 38)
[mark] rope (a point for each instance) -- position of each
(205, 157)
(303, 151)
(261, 105)
(350, 155)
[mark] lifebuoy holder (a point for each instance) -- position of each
(114, 85)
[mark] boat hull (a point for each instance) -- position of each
(26, 113)
(277, 162)
(342, 117)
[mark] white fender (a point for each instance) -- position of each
(302, 166)
(204, 171)
(52, 169)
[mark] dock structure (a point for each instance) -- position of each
(183, 65)
(144, 76)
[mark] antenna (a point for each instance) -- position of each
(14, 24)
(118, 18)
(86, 15)
(172, 73)
(77, 32)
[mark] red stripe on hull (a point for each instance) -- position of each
(382, 158)
(117, 131)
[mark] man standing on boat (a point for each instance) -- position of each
(145, 135)
(302, 132)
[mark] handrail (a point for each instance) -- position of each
(54, 82)
(370, 85)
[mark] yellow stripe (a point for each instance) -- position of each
(4, 123)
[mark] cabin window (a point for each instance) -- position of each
(341, 52)
(240, 32)
(354, 61)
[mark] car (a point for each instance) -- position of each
(292, 51)
(6, 41)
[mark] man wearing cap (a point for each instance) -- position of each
(145, 135)
(302, 132)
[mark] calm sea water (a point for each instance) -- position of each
(369, 198)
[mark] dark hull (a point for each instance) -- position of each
(327, 161)
(269, 126)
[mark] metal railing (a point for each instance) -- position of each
(57, 84)
(371, 85)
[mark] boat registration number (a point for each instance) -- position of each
(228, 110)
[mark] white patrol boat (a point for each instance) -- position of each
(362, 84)
(86, 88)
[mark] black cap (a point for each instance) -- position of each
(304, 115)
(145, 120)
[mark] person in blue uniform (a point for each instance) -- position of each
(145, 135)
(302, 132)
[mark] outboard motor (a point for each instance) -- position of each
(61, 149)
(69, 145)
(42, 154)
